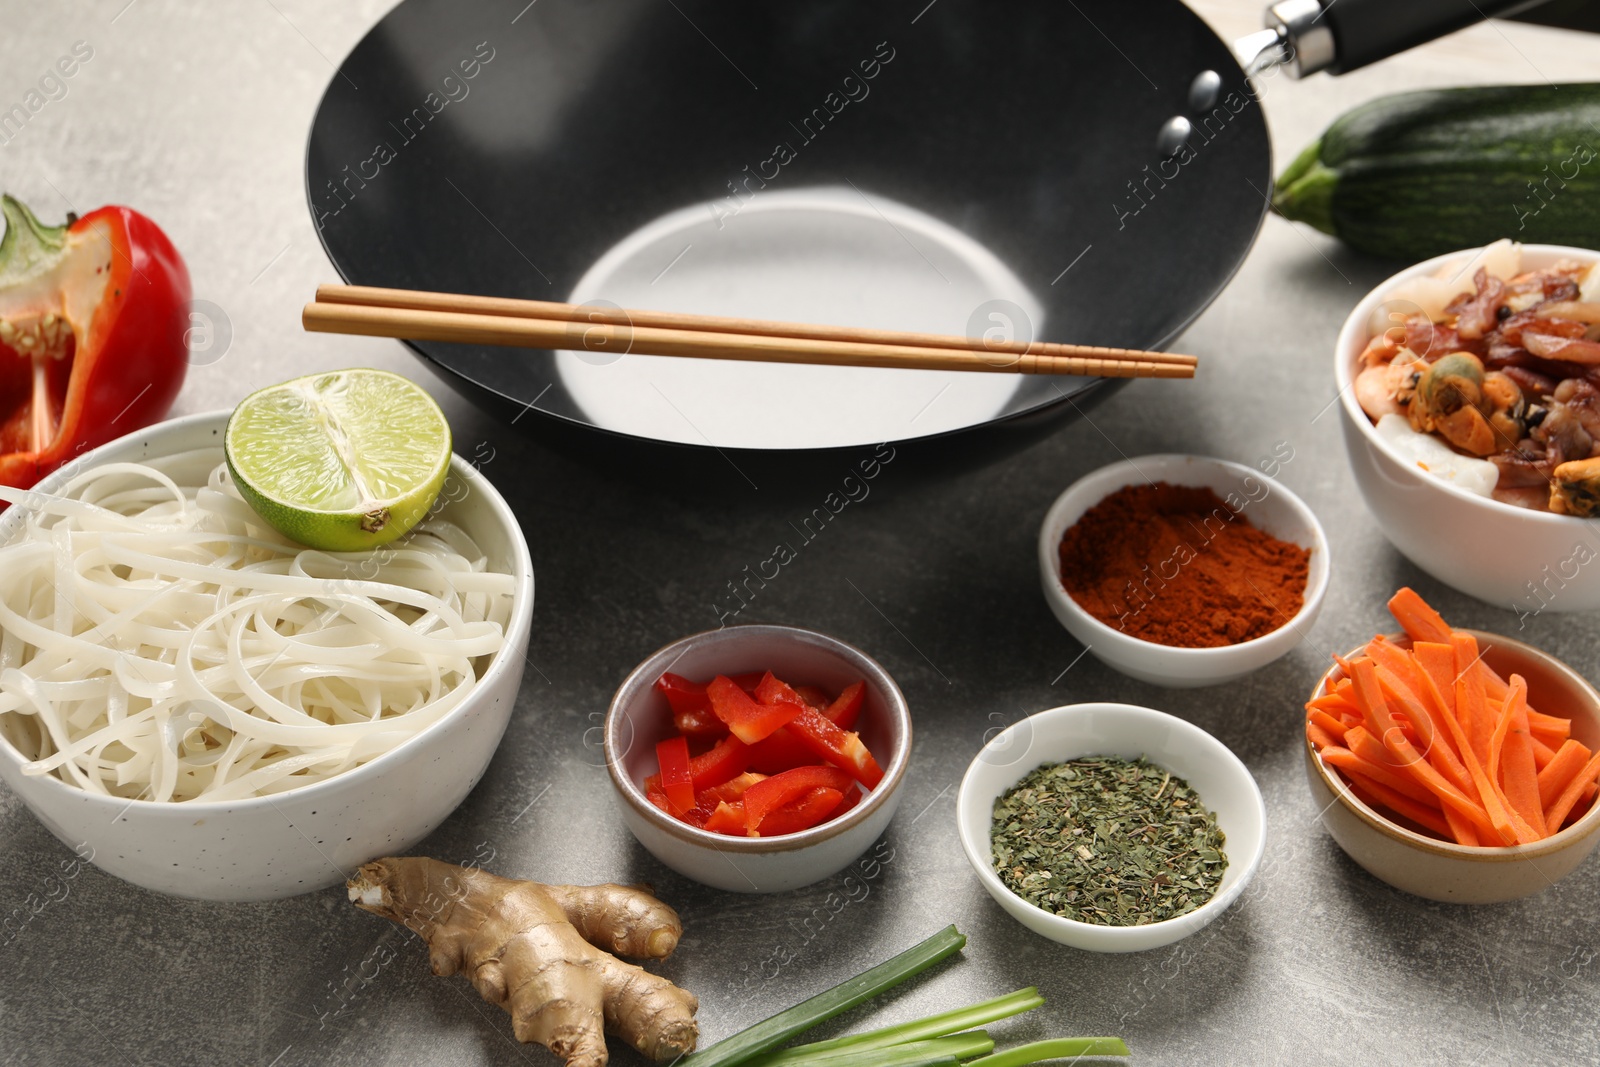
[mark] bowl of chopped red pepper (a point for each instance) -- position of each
(758, 758)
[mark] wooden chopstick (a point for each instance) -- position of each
(425, 316)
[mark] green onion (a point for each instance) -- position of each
(910, 1054)
(768, 1034)
(949, 1022)
(1060, 1048)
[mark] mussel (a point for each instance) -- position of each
(1575, 489)
(1450, 400)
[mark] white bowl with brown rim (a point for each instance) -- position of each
(1427, 866)
(639, 717)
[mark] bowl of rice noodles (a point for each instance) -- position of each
(208, 709)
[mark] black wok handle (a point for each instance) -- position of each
(1341, 35)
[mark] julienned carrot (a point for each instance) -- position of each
(1370, 696)
(1519, 777)
(1395, 674)
(1502, 728)
(1348, 761)
(1504, 832)
(1461, 829)
(1437, 660)
(1334, 726)
(1557, 812)
(1472, 705)
(1551, 729)
(1333, 703)
(1436, 747)
(1571, 756)
(1542, 753)
(1422, 624)
(1420, 814)
(1320, 736)
(1416, 618)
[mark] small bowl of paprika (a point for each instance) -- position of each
(1183, 570)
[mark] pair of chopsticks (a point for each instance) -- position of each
(424, 316)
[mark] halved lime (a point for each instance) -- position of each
(342, 461)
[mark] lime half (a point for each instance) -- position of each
(342, 461)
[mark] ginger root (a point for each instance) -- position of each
(527, 947)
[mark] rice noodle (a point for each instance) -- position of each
(158, 642)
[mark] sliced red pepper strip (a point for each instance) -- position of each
(722, 761)
(676, 782)
(816, 697)
(706, 800)
(766, 796)
(815, 806)
(729, 818)
(732, 789)
(726, 759)
(681, 693)
(844, 711)
(852, 797)
(685, 695)
(750, 721)
(780, 752)
(700, 724)
(94, 316)
(842, 748)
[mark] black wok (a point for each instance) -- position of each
(1113, 155)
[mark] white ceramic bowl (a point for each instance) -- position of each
(639, 717)
(1268, 506)
(1224, 784)
(313, 836)
(1509, 556)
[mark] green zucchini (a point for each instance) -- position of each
(1416, 174)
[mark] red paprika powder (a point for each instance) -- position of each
(1177, 565)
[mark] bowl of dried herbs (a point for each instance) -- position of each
(1111, 827)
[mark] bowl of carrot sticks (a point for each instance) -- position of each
(1457, 765)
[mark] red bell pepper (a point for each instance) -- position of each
(813, 695)
(724, 760)
(818, 733)
(809, 809)
(93, 316)
(691, 708)
(852, 797)
(813, 807)
(728, 819)
(699, 723)
(706, 800)
(780, 752)
(676, 782)
(844, 711)
(766, 796)
(750, 720)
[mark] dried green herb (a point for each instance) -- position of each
(1107, 841)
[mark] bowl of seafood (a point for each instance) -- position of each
(1470, 392)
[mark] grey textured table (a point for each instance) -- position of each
(198, 117)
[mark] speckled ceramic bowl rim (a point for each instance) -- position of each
(521, 603)
(1480, 853)
(1353, 338)
(1321, 567)
(1200, 916)
(642, 677)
